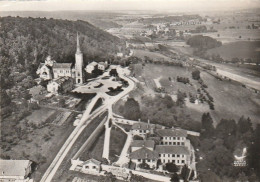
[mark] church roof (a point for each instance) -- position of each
(62, 65)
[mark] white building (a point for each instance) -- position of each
(15, 170)
(60, 85)
(91, 166)
(142, 129)
(91, 66)
(102, 66)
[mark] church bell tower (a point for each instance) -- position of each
(78, 64)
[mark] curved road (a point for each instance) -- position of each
(85, 120)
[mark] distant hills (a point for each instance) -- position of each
(24, 40)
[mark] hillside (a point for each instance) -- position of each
(27, 40)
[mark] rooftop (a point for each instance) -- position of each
(14, 167)
(171, 132)
(143, 143)
(145, 126)
(144, 153)
(62, 65)
(92, 161)
(166, 149)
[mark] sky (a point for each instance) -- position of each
(117, 5)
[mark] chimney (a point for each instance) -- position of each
(148, 121)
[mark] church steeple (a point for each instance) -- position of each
(78, 46)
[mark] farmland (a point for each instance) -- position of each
(241, 49)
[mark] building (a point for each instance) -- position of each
(15, 170)
(60, 85)
(142, 129)
(51, 70)
(102, 66)
(178, 155)
(138, 144)
(45, 69)
(144, 156)
(91, 66)
(91, 166)
(172, 136)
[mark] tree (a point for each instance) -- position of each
(181, 98)
(185, 172)
(61, 102)
(137, 178)
(132, 109)
(253, 156)
(175, 178)
(196, 75)
(207, 126)
(226, 127)
(171, 167)
(244, 125)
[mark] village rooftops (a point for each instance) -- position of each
(143, 143)
(145, 126)
(166, 149)
(14, 168)
(144, 153)
(171, 133)
(62, 65)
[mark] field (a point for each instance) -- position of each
(117, 142)
(241, 49)
(231, 100)
(40, 116)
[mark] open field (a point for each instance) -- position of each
(241, 49)
(231, 100)
(62, 172)
(117, 141)
(40, 116)
(153, 55)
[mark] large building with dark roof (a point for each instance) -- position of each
(169, 145)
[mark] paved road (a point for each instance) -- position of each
(85, 120)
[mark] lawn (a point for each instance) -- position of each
(231, 100)
(117, 142)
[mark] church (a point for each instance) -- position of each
(50, 70)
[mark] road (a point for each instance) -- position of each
(85, 120)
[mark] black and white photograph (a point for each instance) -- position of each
(130, 90)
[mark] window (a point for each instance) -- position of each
(163, 155)
(174, 138)
(173, 161)
(139, 160)
(163, 161)
(166, 143)
(182, 161)
(178, 143)
(178, 155)
(61, 71)
(86, 167)
(178, 138)
(148, 160)
(159, 155)
(178, 161)
(168, 155)
(94, 167)
(170, 143)
(174, 143)
(173, 155)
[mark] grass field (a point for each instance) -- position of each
(117, 142)
(241, 49)
(231, 100)
(40, 116)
